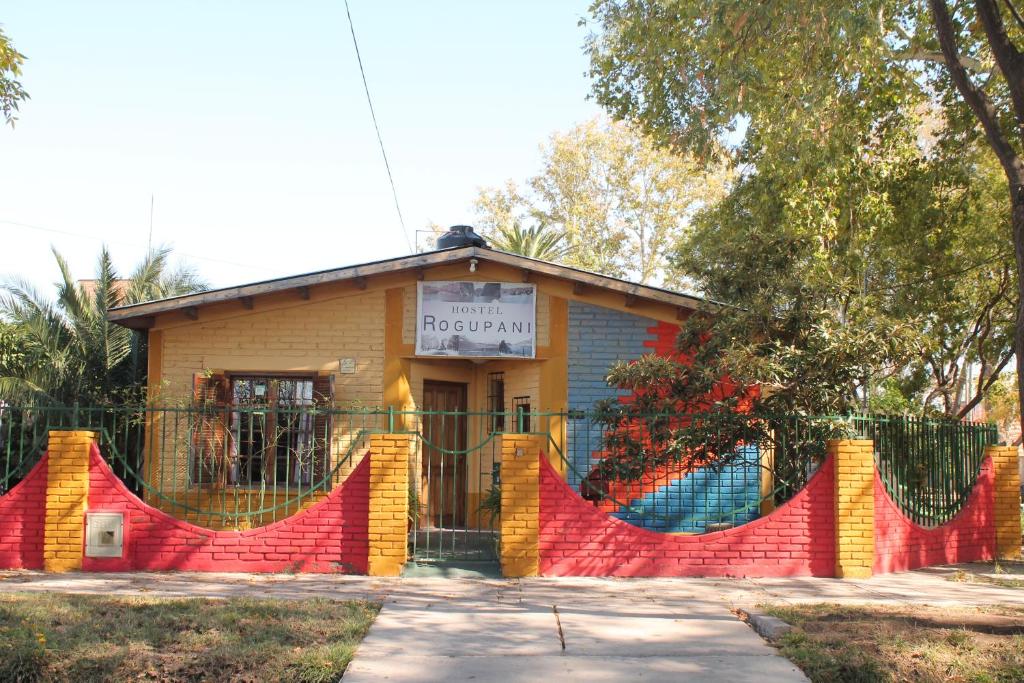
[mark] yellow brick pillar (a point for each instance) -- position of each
(855, 507)
(520, 504)
(389, 503)
(1007, 500)
(67, 493)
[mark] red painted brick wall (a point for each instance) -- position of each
(577, 539)
(900, 544)
(329, 537)
(662, 343)
(22, 517)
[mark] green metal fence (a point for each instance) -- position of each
(245, 466)
(929, 467)
(219, 467)
(679, 473)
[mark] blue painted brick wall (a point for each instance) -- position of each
(705, 496)
(598, 337)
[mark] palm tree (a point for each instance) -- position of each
(71, 353)
(538, 242)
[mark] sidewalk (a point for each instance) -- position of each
(612, 629)
(931, 586)
(568, 630)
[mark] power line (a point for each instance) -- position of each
(376, 127)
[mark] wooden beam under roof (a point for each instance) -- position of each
(128, 315)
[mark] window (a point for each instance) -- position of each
(258, 430)
(496, 401)
(521, 413)
(272, 430)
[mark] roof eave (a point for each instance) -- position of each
(143, 315)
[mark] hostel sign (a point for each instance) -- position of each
(476, 319)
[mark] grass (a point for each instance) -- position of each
(1010, 568)
(52, 637)
(868, 644)
(960, 576)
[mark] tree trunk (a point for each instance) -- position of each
(1017, 219)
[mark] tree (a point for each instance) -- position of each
(11, 92)
(807, 83)
(618, 202)
(950, 267)
(536, 242)
(828, 316)
(69, 351)
(1003, 408)
(502, 213)
(804, 330)
(831, 319)
(12, 348)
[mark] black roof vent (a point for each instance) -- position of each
(460, 236)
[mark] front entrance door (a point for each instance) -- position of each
(457, 471)
(443, 471)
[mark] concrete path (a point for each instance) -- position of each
(932, 586)
(566, 630)
(613, 629)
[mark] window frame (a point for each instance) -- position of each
(521, 414)
(496, 401)
(270, 461)
(217, 424)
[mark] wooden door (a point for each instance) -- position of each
(443, 475)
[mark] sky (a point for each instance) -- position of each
(246, 123)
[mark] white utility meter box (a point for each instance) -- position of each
(104, 534)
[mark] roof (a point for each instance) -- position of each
(90, 286)
(142, 315)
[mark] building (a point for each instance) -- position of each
(358, 326)
(434, 408)
(461, 343)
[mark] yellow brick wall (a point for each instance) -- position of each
(67, 493)
(305, 337)
(1007, 500)
(409, 315)
(520, 504)
(855, 507)
(523, 379)
(389, 503)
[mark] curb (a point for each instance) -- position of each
(769, 628)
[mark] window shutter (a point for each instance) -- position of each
(323, 399)
(208, 456)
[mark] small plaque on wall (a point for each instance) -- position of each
(104, 534)
(347, 366)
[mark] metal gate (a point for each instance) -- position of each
(455, 492)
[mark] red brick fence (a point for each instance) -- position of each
(843, 523)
